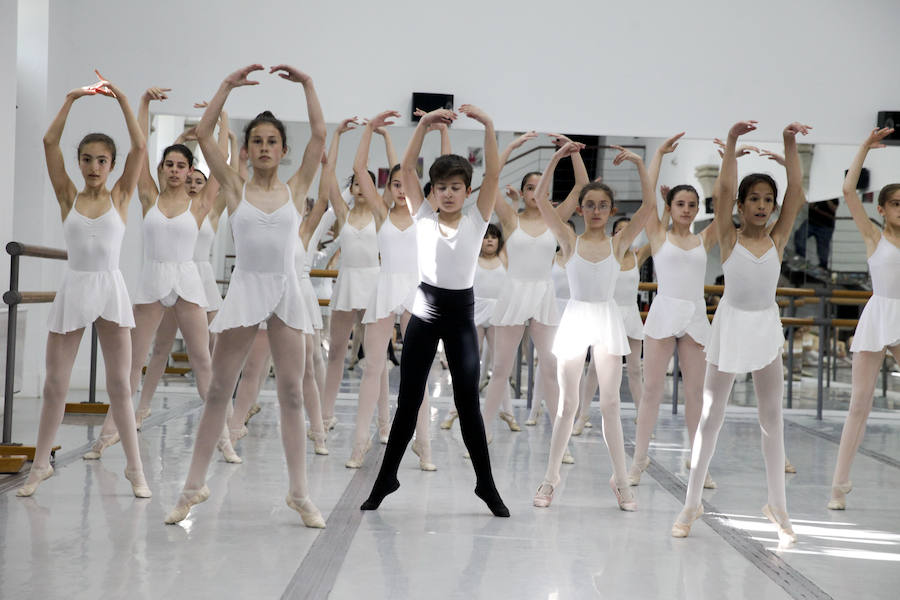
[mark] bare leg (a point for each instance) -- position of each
(159, 358)
(656, 359)
(506, 340)
(342, 322)
(864, 377)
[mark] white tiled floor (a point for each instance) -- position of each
(83, 535)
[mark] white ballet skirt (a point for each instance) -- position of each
(592, 317)
(625, 296)
(587, 324)
(679, 308)
(487, 287)
(264, 282)
(677, 317)
(202, 250)
(746, 333)
(879, 324)
(631, 316)
(92, 286)
(167, 281)
(529, 292)
(302, 266)
(398, 277)
(484, 310)
(358, 272)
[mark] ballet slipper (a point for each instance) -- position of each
(588, 425)
(424, 463)
(510, 420)
(224, 446)
(567, 458)
(254, 408)
(329, 423)
(310, 515)
(708, 483)
(578, 429)
(138, 483)
(788, 467)
(839, 496)
(491, 497)
(101, 444)
(188, 499)
(544, 495)
(530, 422)
(637, 468)
(786, 535)
(384, 432)
(237, 433)
(624, 496)
(681, 528)
(379, 491)
(318, 440)
(358, 455)
(687, 463)
(35, 477)
(140, 415)
(448, 422)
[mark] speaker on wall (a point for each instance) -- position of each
(890, 118)
(429, 102)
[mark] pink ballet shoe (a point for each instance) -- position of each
(448, 422)
(839, 496)
(254, 408)
(624, 496)
(544, 495)
(708, 483)
(637, 468)
(101, 444)
(579, 426)
(224, 446)
(788, 467)
(567, 458)
(310, 515)
(510, 421)
(786, 535)
(358, 455)
(384, 432)
(138, 483)
(188, 499)
(329, 423)
(424, 463)
(35, 477)
(140, 415)
(682, 528)
(235, 434)
(318, 440)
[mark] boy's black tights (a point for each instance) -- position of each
(439, 314)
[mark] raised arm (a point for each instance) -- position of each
(311, 221)
(490, 181)
(505, 212)
(233, 152)
(63, 187)
(230, 182)
(726, 184)
(147, 188)
(388, 146)
(361, 163)
(622, 241)
(337, 200)
(655, 226)
(312, 155)
(870, 232)
(411, 185)
(443, 128)
(794, 198)
(566, 208)
(564, 234)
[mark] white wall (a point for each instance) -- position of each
(8, 36)
(591, 67)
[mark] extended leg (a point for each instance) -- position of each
(156, 366)
(342, 322)
(506, 340)
(656, 359)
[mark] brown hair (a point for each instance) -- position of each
(101, 138)
(886, 192)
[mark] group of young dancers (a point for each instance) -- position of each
(415, 256)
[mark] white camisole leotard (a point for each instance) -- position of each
(488, 286)
(592, 317)
(264, 281)
(169, 270)
(92, 286)
(678, 307)
(879, 324)
(746, 333)
(399, 274)
(358, 271)
(626, 297)
(529, 290)
(202, 252)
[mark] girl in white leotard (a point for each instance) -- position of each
(592, 318)
(197, 186)
(879, 325)
(93, 290)
(264, 216)
(625, 296)
(357, 279)
(169, 276)
(528, 297)
(746, 334)
(392, 298)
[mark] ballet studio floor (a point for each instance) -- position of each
(83, 534)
